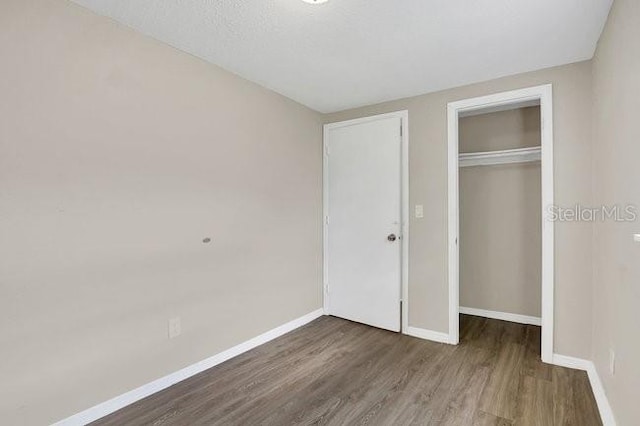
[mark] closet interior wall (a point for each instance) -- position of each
(500, 216)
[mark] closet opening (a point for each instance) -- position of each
(500, 185)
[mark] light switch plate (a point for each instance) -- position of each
(636, 238)
(419, 211)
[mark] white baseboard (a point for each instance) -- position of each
(105, 408)
(504, 316)
(434, 336)
(571, 362)
(606, 413)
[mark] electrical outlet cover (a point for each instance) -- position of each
(612, 362)
(174, 327)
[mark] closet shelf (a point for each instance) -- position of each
(507, 156)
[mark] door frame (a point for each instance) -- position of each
(490, 103)
(404, 202)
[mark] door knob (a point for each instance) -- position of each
(391, 237)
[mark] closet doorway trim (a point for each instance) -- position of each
(491, 103)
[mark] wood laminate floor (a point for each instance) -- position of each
(336, 372)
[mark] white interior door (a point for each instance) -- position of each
(363, 192)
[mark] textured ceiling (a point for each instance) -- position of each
(348, 53)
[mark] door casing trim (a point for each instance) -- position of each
(497, 102)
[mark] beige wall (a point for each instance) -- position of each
(118, 155)
(500, 216)
(428, 288)
(617, 181)
(514, 128)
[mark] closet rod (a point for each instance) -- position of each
(507, 156)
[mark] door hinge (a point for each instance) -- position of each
(326, 150)
(401, 129)
(326, 220)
